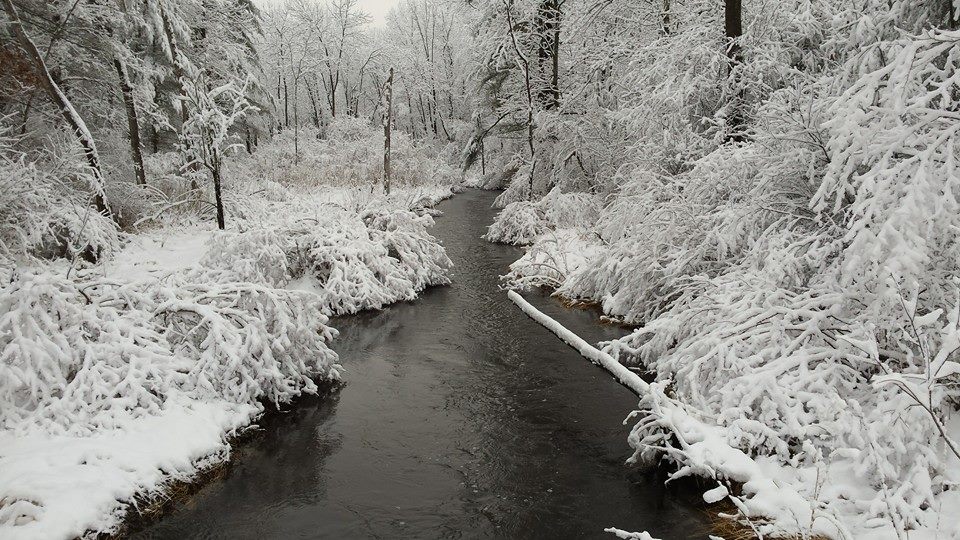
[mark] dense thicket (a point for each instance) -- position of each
(777, 214)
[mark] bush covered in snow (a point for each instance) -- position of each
(44, 206)
(80, 356)
(354, 262)
(522, 222)
(795, 292)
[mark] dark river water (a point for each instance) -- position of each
(459, 418)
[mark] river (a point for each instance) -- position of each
(459, 418)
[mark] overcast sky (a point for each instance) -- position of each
(377, 9)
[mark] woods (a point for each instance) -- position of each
(747, 185)
(764, 194)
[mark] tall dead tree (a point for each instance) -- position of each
(387, 125)
(60, 99)
(133, 123)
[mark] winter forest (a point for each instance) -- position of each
(480, 268)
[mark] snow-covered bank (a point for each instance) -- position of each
(121, 376)
(808, 422)
(135, 372)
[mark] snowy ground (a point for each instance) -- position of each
(204, 327)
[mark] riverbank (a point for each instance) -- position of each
(136, 372)
(788, 410)
(458, 415)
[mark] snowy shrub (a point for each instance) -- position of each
(796, 291)
(350, 155)
(552, 258)
(519, 223)
(260, 255)
(348, 129)
(423, 260)
(248, 342)
(45, 209)
(53, 375)
(352, 262)
(84, 356)
(567, 210)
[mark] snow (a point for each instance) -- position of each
(702, 449)
(119, 377)
(158, 253)
(61, 486)
(135, 372)
(795, 292)
(626, 535)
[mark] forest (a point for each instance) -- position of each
(763, 195)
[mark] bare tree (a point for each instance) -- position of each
(387, 125)
(524, 64)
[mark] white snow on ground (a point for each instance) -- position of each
(161, 252)
(60, 486)
(626, 535)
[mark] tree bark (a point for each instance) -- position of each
(525, 64)
(133, 124)
(733, 25)
(313, 103)
(286, 104)
(665, 18)
(218, 197)
(387, 124)
(548, 51)
(67, 110)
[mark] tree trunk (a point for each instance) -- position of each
(483, 159)
(525, 63)
(221, 222)
(313, 104)
(133, 124)
(296, 121)
(423, 116)
(555, 68)
(410, 116)
(548, 51)
(154, 130)
(733, 23)
(387, 124)
(67, 110)
(665, 18)
(286, 104)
